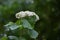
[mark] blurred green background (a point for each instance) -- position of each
(48, 26)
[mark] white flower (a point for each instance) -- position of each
(20, 15)
(29, 13)
(32, 14)
(17, 15)
(37, 17)
(26, 13)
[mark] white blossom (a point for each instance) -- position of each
(29, 13)
(26, 13)
(37, 17)
(17, 15)
(20, 15)
(32, 14)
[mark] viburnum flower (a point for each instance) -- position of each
(37, 17)
(20, 15)
(29, 13)
(32, 14)
(26, 13)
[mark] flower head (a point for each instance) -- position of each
(17, 15)
(37, 17)
(20, 15)
(26, 13)
(29, 13)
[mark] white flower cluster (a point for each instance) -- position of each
(26, 13)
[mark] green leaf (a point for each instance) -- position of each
(12, 37)
(33, 33)
(18, 22)
(4, 38)
(21, 38)
(31, 19)
(10, 23)
(26, 24)
(11, 26)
